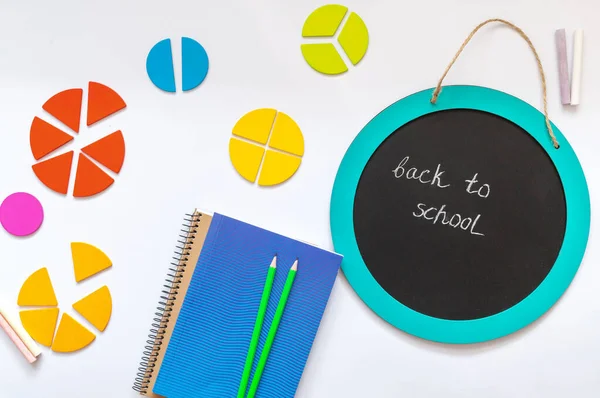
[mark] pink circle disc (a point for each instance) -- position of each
(21, 214)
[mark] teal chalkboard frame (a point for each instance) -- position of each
(477, 330)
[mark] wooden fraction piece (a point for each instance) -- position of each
(96, 308)
(44, 138)
(194, 63)
(284, 146)
(40, 324)
(246, 158)
(324, 23)
(71, 336)
(102, 102)
(354, 38)
(66, 107)
(286, 135)
(277, 167)
(88, 260)
(255, 125)
(159, 66)
(37, 290)
(90, 179)
(55, 172)
(108, 151)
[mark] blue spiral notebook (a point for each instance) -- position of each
(203, 353)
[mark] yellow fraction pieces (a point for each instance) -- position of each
(88, 260)
(40, 324)
(71, 336)
(255, 125)
(286, 135)
(246, 158)
(284, 147)
(324, 23)
(277, 168)
(96, 308)
(37, 290)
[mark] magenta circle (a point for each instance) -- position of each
(21, 214)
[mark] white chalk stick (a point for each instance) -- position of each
(20, 331)
(577, 67)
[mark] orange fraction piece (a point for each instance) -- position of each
(102, 102)
(45, 138)
(108, 151)
(90, 179)
(55, 172)
(66, 107)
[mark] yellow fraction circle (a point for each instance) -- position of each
(326, 24)
(266, 144)
(96, 308)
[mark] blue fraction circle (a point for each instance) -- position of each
(194, 65)
(460, 331)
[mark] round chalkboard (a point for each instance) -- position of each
(459, 221)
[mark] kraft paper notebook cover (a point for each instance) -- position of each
(200, 348)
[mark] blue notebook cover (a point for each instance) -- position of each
(207, 351)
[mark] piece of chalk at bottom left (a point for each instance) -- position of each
(15, 325)
(16, 340)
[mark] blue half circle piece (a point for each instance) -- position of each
(159, 66)
(194, 63)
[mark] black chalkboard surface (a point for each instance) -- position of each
(459, 214)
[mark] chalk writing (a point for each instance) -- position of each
(456, 220)
(414, 174)
(439, 214)
(483, 191)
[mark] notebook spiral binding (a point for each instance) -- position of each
(167, 300)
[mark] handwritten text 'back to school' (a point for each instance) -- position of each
(439, 215)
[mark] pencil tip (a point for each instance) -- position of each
(295, 265)
(274, 262)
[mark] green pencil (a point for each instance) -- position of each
(262, 309)
(273, 330)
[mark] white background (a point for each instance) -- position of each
(177, 159)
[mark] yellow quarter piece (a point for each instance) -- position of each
(286, 135)
(324, 21)
(277, 168)
(324, 58)
(40, 324)
(71, 336)
(88, 260)
(246, 158)
(37, 290)
(96, 308)
(354, 38)
(255, 125)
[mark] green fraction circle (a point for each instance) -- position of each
(325, 26)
